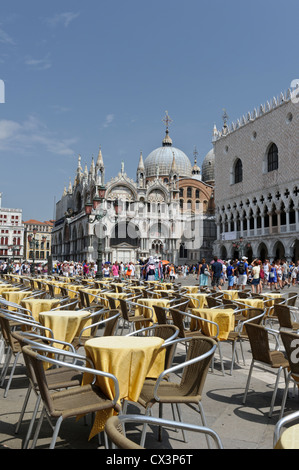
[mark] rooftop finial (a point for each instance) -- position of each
(167, 140)
(167, 120)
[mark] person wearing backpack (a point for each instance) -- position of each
(230, 272)
(242, 267)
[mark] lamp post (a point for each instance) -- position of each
(97, 216)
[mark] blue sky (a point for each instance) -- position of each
(79, 75)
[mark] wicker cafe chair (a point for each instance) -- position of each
(259, 341)
(129, 318)
(254, 315)
(9, 321)
(290, 342)
(72, 402)
(284, 316)
(57, 378)
(115, 425)
(109, 323)
(189, 390)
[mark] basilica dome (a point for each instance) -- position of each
(208, 167)
(160, 160)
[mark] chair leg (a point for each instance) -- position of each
(11, 374)
(148, 412)
(248, 381)
(284, 398)
(56, 431)
(32, 421)
(221, 358)
(180, 419)
(23, 408)
(5, 366)
(204, 421)
(275, 392)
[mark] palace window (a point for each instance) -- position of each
(273, 158)
(238, 174)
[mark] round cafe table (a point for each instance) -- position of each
(65, 324)
(197, 300)
(224, 317)
(15, 296)
(142, 309)
(253, 303)
(36, 306)
(131, 359)
(289, 438)
(228, 294)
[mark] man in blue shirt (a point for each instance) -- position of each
(216, 269)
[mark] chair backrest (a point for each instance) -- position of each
(291, 299)
(254, 315)
(178, 321)
(36, 366)
(259, 342)
(194, 375)
(84, 299)
(291, 343)
(161, 314)
(283, 313)
(212, 302)
(124, 309)
(111, 325)
(5, 326)
(243, 295)
(112, 302)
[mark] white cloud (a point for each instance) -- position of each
(62, 18)
(108, 120)
(5, 38)
(32, 134)
(39, 64)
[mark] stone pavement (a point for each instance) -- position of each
(239, 426)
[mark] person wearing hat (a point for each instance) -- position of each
(242, 269)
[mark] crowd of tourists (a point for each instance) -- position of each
(259, 274)
(240, 273)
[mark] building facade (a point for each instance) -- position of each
(37, 240)
(257, 183)
(151, 215)
(11, 234)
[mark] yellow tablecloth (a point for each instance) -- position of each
(289, 438)
(231, 294)
(130, 359)
(191, 289)
(57, 285)
(6, 288)
(197, 300)
(224, 317)
(92, 293)
(114, 295)
(254, 303)
(15, 296)
(270, 297)
(162, 285)
(73, 287)
(146, 312)
(36, 306)
(65, 324)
